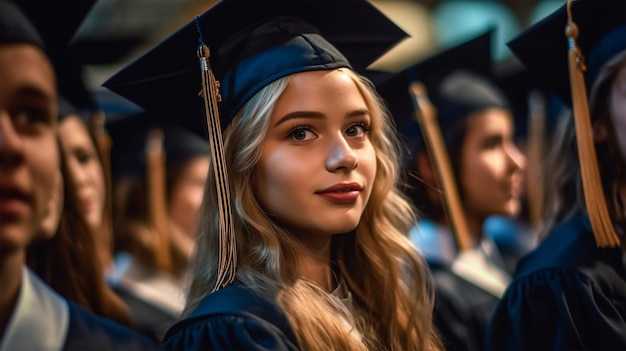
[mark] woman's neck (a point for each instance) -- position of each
(314, 262)
(11, 282)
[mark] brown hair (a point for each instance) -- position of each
(69, 263)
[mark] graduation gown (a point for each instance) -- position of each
(567, 294)
(467, 285)
(154, 299)
(44, 320)
(232, 318)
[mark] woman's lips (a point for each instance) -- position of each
(343, 193)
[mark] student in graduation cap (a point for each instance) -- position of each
(159, 176)
(32, 315)
(463, 167)
(570, 292)
(302, 241)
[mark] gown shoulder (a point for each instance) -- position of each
(233, 318)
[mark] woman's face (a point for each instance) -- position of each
(317, 163)
(84, 167)
(618, 110)
(50, 222)
(491, 166)
(28, 150)
(186, 196)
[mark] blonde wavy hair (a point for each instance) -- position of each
(390, 283)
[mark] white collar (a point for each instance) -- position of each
(40, 320)
(157, 288)
(475, 267)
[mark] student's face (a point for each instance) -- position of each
(491, 165)
(28, 150)
(317, 163)
(618, 110)
(84, 167)
(50, 222)
(186, 195)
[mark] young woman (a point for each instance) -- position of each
(32, 315)
(570, 292)
(87, 175)
(66, 255)
(477, 131)
(319, 256)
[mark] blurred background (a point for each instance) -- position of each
(118, 31)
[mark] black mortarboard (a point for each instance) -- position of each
(543, 47)
(129, 140)
(458, 82)
(49, 25)
(250, 47)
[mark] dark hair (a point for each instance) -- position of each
(69, 263)
(417, 189)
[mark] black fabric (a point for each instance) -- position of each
(566, 295)
(87, 331)
(253, 43)
(462, 310)
(233, 318)
(149, 320)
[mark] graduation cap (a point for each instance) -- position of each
(38, 22)
(129, 143)
(458, 81)
(543, 47)
(566, 52)
(252, 46)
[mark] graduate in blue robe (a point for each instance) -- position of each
(570, 292)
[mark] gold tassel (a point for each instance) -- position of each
(425, 113)
(594, 195)
(536, 152)
(105, 236)
(155, 169)
(227, 261)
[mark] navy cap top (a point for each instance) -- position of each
(129, 139)
(458, 82)
(253, 43)
(50, 25)
(543, 47)
(15, 27)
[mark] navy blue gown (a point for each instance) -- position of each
(233, 318)
(88, 331)
(566, 295)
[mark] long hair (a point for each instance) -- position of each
(68, 262)
(390, 283)
(563, 183)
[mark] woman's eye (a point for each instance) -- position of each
(83, 157)
(357, 130)
(301, 134)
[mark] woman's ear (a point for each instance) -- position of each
(600, 131)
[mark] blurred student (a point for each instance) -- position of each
(483, 177)
(302, 240)
(156, 213)
(32, 315)
(570, 292)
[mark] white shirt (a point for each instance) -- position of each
(40, 319)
